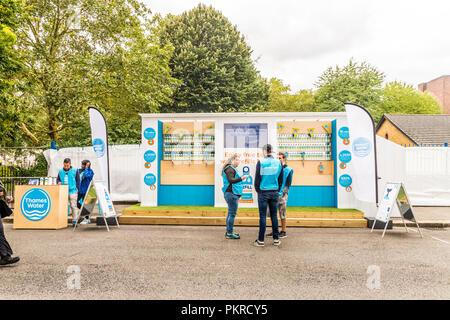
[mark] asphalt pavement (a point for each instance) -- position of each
(186, 262)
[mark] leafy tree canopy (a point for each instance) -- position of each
(282, 100)
(213, 61)
(397, 97)
(89, 53)
(356, 82)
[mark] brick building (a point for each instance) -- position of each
(411, 130)
(440, 89)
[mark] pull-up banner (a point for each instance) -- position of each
(363, 149)
(99, 134)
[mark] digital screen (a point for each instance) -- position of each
(245, 135)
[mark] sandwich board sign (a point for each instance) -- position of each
(395, 194)
(97, 193)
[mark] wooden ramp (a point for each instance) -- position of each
(244, 218)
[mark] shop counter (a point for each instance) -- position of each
(41, 207)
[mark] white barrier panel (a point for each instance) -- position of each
(425, 171)
(428, 175)
(124, 167)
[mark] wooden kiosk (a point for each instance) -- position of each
(41, 207)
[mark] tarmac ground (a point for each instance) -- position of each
(188, 262)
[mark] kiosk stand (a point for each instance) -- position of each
(41, 207)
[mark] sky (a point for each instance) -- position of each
(296, 41)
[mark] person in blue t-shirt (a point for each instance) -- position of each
(268, 181)
(70, 177)
(86, 175)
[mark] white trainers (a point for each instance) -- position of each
(276, 242)
(258, 244)
(85, 221)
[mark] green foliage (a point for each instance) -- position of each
(10, 66)
(358, 83)
(213, 61)
(281, 100)
(90, 53)
(397, 97)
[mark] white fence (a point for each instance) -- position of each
(428, 175)
(124, 167)
(424, 170)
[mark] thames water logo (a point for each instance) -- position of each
(362, 147)
(99, 147)
(35, 204)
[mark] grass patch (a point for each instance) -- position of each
(137, 207)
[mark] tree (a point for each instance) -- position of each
(281, 100)
(356, 82)
(10, 66)
(213, 61)
(397, 97)
(90, 53)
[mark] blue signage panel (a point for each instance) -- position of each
(345, 180)
(150, 179)
(99, 147)
(345, 156)
(362, 147)
(35, 204)
(343, 133)
(149, 133)
(149, 156)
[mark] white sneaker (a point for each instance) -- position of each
(258, 244)
(276, 242)
(85, 221)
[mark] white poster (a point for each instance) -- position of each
(363, 153)
(106, 204)
(99, 134)
(387, 202)
(247, 140)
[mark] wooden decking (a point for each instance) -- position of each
(243, 218)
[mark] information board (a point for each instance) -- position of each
(395, 194)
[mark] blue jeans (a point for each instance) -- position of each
(268, 199)
(233, 202)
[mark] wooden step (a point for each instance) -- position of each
(241, 221)
(255, 214)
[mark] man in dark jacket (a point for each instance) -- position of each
(86, 175)
(5, 248)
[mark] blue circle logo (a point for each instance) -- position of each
(99, 147)
(35, 204)
(149, 133)
(343, 133)
(362, 147)
(246, 169)
(345, 180)
(149, 156)
(345, 156)
(149, 179)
